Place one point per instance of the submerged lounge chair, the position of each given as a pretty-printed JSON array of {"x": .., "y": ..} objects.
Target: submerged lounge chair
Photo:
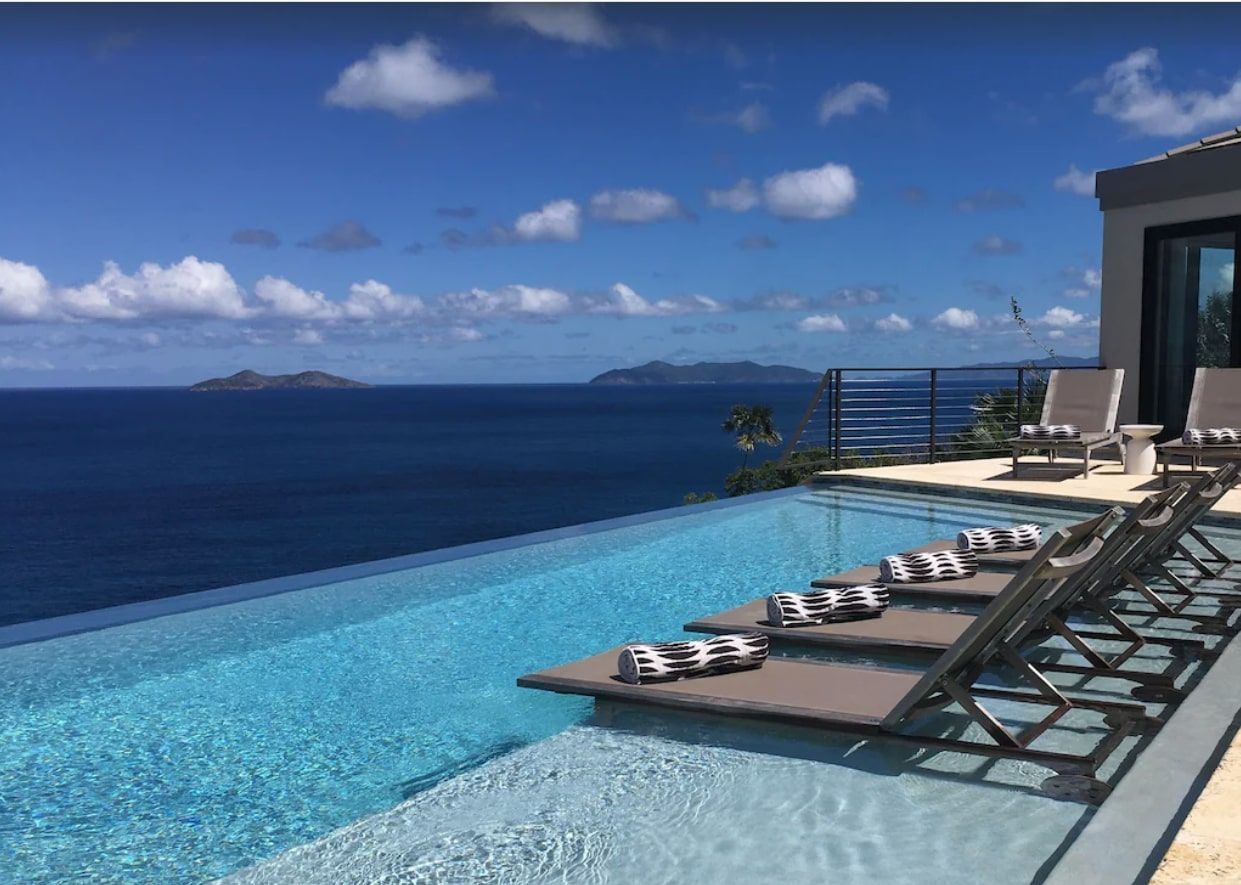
[
  {"x": 1079, "y": 398},
  {"x": 1214, "y": 403},
  {"x": 900, "y": 630},
  {"x": 881, "y": 702}
]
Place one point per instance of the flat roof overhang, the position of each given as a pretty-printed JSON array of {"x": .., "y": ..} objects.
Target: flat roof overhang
[{"x": 1194, "y": 173}]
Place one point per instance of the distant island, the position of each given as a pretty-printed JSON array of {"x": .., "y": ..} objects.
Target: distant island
[
  {"x": 659, "y": 372},
  {"x": 250, "y": 380}
]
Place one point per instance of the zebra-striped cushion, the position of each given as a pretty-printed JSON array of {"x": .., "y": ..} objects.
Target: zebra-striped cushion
[
  {"x": 997, "y": 540},
  {"x": 919, "y": 568},
  {"x": 822, "y": 606},
  {"x": 664, "y": 661},
  {"x": 1050, "y": 431},
  {"x": 1214, "y": 436}
]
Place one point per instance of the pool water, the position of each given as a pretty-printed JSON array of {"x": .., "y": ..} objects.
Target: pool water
[{"x": 194, "y": 745}]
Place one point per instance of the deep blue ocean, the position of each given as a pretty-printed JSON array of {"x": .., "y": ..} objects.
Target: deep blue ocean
[{"x": 114, "y": 496}]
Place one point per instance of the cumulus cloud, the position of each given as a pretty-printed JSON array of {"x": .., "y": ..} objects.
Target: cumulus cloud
[
  {"x": 741, "y": 197},
  {"x": 1075, "y": 181},
  {"x": 893, "y": 323},
  {"x": 989, "y": 198},
  {"x": 1062, "y": 318},
  {"x": 508, "y": 301},
  {"x": 756, "y": 241},
  {"x": 1132, "y": 94},
  {"x": 370, "y": 300},
  {"x": 996, "y": 245},
  {"x": 348, "y": 236},
  {"x": 845, "y": 101},
  {"x": 825, "y": 192},
  {"x": 1087, "y": 282},
  {"x": 408, "y": 80},
  {"x": 189, "y": 288},
  {"x": 24, "y": 293},
  {"x": 255, "y": 237},
  {"x": 776, "y": 300},
  {"x": 957, "y": 319},
  {"x": 307, "y": 337},
  {"x": 754, "y": 117},
  {"x": 636, "y": 206},
  {"x": 559, "y": 220},
  {"x": 857, "y": 296},
  {"x": 578, "y": 23},
  {"x": 622, "y": 301},
  {"x": 822, "y": 322}
]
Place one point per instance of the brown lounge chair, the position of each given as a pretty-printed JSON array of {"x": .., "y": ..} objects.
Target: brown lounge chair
[
  {"x": 1215, "y": 401},
  {"x": 912, "y": 630},
  {"x": 1086, "y": 398},
  {"x": 881, "y": 702},
  {"x": 1149, "y": 557}
]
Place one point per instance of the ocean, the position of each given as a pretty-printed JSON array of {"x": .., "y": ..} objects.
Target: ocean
[{"x": 109, "y": 496}]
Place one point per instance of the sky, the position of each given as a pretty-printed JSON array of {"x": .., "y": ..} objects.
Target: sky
[{"x": 531, "y": 193}]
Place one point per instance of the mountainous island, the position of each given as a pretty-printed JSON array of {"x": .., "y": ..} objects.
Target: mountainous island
[
  {"x": 251, "y": 380},
  {"x": 659, "y": 372}
]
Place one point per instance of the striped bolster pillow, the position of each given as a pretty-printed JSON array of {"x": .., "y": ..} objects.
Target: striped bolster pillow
[
  {"x": 1214, "y": 436},
  {"x": 823, "y": 606},
  {"x": 997, "y": 540},
  {"x": 1050, "y": 431},
  {"x": 666, "y": 661},
  {"x": 919, "y": 568}
]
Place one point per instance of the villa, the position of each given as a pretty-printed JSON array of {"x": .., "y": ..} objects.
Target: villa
[{"x": 879, "y": 682}]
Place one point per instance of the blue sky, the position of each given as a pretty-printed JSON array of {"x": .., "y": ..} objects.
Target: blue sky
[{"x": 523, "y": 193}]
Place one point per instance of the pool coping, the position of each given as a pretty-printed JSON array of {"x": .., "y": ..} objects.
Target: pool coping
[{"x": 133, "y": 612}]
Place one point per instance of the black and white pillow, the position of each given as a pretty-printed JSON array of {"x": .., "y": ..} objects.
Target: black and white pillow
[
  {"x": 1213, "y": 436},
  {"x": 921, "y": 568},
  {"x": 824, "y": 606},
  {"x": 1050, "y": 431},
  {"x": 990, "y": 539},
  {"x": 666, "y": 661}
]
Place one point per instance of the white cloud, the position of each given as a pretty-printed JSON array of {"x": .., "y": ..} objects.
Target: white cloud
[
  {"x": 282, "y": 298},
  {"x": 1062, "y": 318},
  {"x": 825, "y": 192},
  {"x": 635, "y": 206},
  {"x": 997, "y": 245},
  {"x": 894, "y": 322},
  {"x": 374, "y": 300},
  {"x": 24, "y": 293},
  {"x": 576, "y": 23},
  {"x": 509, "y": 301},
  {"x": 822, "y": 322},
  {"x": 1090, "y": 283},
  {"x": 408, "y": 80},
  {"x": 741, "y": 197},
  {"x": 465, "y": 333},
  {"x": 1225, "y": 275},
  {"x": 24, "y": 364},
  {"x": 957, "y": 319},
  {"x": 1075, "y": 181},
  {"x": 754, "y": 117},
  {"x": 845, "y": 101},
  {"x": 559, "y": 220},
  {"x": 307, "y": 337},
  {"x": 189, "y": 288},
  {"x": 622, "y": 301},
  {"x": 1131, "y": 94}
]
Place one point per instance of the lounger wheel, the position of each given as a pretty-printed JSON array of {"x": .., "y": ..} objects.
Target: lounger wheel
[
  {"x": 1076, "y": 788},
  {"x": 1158, "y": 694},
  {"x": 1140, "y": 724}
]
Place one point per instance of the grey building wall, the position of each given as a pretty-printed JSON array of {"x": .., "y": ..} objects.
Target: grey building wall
[{"x": 1124, "y": 236}]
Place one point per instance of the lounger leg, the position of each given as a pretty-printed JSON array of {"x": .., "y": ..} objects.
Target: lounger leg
[
  {"x": 1086, "y": 465},
  {"x": 1016, "y": 457},
  {"x": 1120, "y": 448}
]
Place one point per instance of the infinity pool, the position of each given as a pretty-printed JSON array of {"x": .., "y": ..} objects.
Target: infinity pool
[{"x": 191, "y": 746}]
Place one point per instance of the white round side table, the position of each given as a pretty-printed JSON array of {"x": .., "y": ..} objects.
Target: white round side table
[{"x": 1140, "y": 448}]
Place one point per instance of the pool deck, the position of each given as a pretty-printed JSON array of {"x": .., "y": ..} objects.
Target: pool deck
[
  {"x": 1107, "y": 483},
  {"x": 1207, "y": 847}
]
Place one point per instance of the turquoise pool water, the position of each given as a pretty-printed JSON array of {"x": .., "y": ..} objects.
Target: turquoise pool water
[{"x": 194, "y": 745}]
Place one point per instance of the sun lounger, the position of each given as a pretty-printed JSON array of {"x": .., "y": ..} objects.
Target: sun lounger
[
  {"x": 903, "y": 630},
  {"x": 1082, "y": 398},
  {"x": 882, "y": 702},
  {"x": 1214, "y": 402}
]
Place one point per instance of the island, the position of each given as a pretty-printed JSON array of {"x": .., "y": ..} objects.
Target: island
[
  {"x": 747, "y": 372},
  {"x": 251, "y": 380}
]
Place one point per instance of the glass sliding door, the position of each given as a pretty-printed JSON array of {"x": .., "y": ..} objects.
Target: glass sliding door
[{"x": 1189, "y": 313}]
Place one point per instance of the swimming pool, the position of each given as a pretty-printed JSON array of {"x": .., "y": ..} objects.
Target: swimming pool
[{"x": 193, "y": 745}]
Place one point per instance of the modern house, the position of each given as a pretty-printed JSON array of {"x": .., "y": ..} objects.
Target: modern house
[{"x": 1171, "y": 227}]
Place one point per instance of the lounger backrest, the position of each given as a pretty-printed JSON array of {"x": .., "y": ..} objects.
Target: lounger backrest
[
  {"x": 1137, "y": 529},
  {"x": 1216, "y": 399},
  {"x": 1085, "y": 397},
  {"x": 1062, "y": 554},
  {"x": 1200, "y": 498}
]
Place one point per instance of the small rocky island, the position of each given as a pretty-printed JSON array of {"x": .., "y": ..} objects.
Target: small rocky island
[
  {"x": 747, "y": 372},
  {"x": 251, "y": 380}
]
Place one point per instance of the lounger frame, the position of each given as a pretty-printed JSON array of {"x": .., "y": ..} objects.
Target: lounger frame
[{"x": 1098, "y": 427}]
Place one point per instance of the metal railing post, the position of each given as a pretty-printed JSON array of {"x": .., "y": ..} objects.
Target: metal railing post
[
  {"x": 934, "y": 402},
  {"x": 1021, "y": 384},
  {"x": 836, "y": 419}
]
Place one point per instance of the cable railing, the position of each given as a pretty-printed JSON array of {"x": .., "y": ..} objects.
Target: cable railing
[{"x": 875, "y": 416}]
